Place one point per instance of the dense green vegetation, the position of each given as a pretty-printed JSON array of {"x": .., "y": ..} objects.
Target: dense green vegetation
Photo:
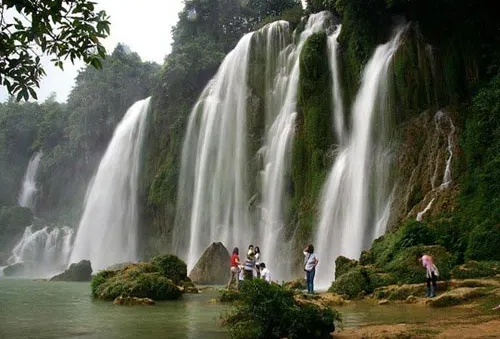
[
  {"x": 164, "y": 278},
  {"x": 60, "y": 29},
  {"x": 266, "y": 310},
  {"x": 72, "y": 135}
]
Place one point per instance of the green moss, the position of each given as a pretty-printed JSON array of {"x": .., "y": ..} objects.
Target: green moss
[
  {"x": 171, "y": 267},
  {"x": 407, "y": 269},
  {"x": 141, "y": 280},
  {"x": 352, "y": 284},
  {"x": 379, "y": 279},
  {"x": 476, "y": 269},
  {"x": 344, "y": 265},
  {"x": 366, "y": 258},
  {"x": 228, "y": 296},
  {"x": 484, "y": 242},
  {"x": 313, "y": 135}
]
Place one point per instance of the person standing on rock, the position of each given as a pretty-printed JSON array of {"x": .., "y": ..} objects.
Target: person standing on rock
[
  {"x": 310, "y": 263},
  {"x": 257, "y": 261},
  {"x": 235, "y": 268},
  {"x": 431, "y": 274},
  {"x": 249, "y": 264}
]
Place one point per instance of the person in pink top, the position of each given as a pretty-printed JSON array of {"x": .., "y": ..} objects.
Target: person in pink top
[{"x": 431, "y": 274}]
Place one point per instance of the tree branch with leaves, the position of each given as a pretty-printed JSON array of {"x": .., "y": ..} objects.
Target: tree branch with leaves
[{"x": 61, "y": 29}]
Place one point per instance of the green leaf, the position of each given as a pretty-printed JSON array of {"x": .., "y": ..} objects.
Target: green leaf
[{"x": 32, "y": 92}]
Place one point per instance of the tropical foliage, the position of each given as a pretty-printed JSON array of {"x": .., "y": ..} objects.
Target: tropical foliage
[{"x": 62, "y": 29}]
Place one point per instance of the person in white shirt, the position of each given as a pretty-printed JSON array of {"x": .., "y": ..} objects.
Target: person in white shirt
[
  {"x": 310, "y": 262},
  {"x": 264, "y": 272}
]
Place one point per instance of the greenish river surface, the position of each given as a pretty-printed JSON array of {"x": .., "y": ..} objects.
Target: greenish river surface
[{"x": 40, "y": 309}]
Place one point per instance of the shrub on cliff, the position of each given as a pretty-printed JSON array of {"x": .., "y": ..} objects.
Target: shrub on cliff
[{"x": 270, "y": 311}]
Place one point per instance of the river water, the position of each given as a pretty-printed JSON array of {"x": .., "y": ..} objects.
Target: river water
[{"x": 41, "y": 309}]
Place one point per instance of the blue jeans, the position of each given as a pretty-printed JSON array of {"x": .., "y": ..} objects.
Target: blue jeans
[{"x": 310, "y": 280}]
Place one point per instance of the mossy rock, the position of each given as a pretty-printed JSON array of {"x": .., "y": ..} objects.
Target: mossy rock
[
  {"x": 457, "y": 296},
  {"x": 402, "y": 292},
  {"x": 476, "y": 269},
  {"x": 299, "y": 284},
  {"x": 81, "y": 271},
  {"x": 386, "y": 248},
  {"x": 344, "y": 265},
  {"x": 352, "y": 284},
  {"x": 366, "y": 258},
  {"x": 189, "y": 287},
  {"x": 141, "y": 280},
  {"x": 407, "y": 269},
  {"x": 171, "y": 267},
  {"x": 378, "y": 279}
]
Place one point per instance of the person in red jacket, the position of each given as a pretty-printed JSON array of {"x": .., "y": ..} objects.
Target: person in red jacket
[{"x": 235, "y": 267}]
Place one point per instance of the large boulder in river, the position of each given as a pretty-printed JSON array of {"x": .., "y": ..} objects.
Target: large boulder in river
[
  {"x": 213, "y": 266},
  {"x": 81, "y": 271}
]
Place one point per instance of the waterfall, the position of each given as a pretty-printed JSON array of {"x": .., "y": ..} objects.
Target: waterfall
[
  {"x": 27, "y": 195},
  {"x": 447, "y": 170},
  {"x": 338, "y": 105},
  {"x": 213, "y": 194},
  {"x": 277, "y": 148},
  {"x": 212, "y": 202},
  {"x": 43, "y": 253},
  {"x": 107, "y": 232},
  {"x": 354, "y": 202},
  {"x": 420, "y": 215}
]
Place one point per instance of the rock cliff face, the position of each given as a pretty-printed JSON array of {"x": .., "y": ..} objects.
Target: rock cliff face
[
  {"x": 426, "y": 167},
  {"x": 213, "y": 266}
]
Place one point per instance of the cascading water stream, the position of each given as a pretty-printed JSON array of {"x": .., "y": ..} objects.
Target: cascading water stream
[
  {"x": 27, "y": 195},
  {"x": 277, "y": 148},
  {"x": 349, "y": 219},
  {"x": 439, "y": 119},
  {"x": 338, "y": 103},
  {"x": 213, "y": 201},
  {"x": 107, "y": 232},
  {"x": 42, "y": 253},
  {"x": 213, "y": 198}
]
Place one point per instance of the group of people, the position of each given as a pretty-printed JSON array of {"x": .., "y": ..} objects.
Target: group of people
[{"x": 254, "y": 267}]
